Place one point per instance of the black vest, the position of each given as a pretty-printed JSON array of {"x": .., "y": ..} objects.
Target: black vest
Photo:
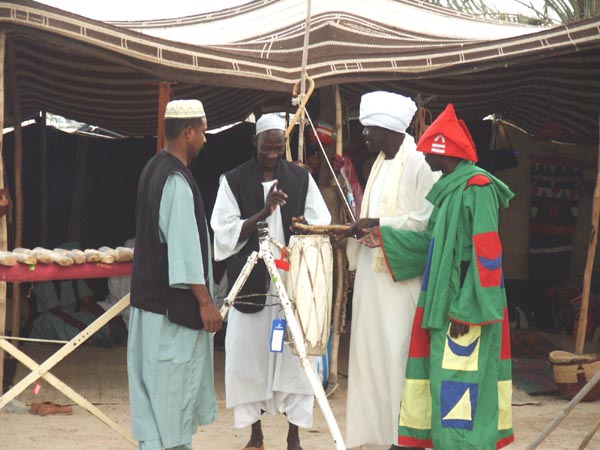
[
  {"x": 245, "y": 183},
  {"x": 150, "y": 288}
]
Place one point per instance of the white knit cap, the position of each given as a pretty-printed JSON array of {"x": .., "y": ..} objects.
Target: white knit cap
[
  {"x": 269, "y": 122},
  {"x": 184, "y": 109},
  {"x": 387, "y": 110}
]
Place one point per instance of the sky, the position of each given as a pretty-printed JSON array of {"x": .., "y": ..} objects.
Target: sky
[{"x": 148, "y": 10}]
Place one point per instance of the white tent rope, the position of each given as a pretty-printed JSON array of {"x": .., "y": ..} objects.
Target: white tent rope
[{"x": 337, "y": 183}]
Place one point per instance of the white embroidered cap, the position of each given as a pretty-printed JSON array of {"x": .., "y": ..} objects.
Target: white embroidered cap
[
  {"x": 184, "y": 109},
  {"x": 269, "y": 122}
]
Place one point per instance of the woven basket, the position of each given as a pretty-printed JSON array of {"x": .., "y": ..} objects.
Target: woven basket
[{"x": 572, "y": 372}]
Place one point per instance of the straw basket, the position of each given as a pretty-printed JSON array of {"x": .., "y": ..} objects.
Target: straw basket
[{"x": 572, "y": 371}]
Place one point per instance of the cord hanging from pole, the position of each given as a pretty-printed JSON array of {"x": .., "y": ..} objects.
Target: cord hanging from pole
[{"x": 337, "y": 183}]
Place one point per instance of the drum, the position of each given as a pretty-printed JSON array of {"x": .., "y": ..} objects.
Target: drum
[{"x": 309, "y": 285}]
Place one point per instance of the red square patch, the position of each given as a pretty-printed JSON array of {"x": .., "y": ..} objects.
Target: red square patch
[
  {"x": 419, "y": 339},
  {"x": 488, "y": 251}
]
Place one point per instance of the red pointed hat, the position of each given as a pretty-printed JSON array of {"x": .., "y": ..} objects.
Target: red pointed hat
[{"x": 448, "y": 136}]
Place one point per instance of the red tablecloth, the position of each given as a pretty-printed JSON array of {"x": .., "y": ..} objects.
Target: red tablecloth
[{"x": 48, "y": 272}]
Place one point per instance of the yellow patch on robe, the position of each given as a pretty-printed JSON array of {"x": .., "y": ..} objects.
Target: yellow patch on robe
[
  {"x": 462, "y": 353},
  {"x": 415, "y": 411},
  {"x": 504, "y": 405}
]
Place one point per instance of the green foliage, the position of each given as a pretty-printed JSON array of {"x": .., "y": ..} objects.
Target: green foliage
[
  {"x": 567, "y": 11},
  {"x": 553, "y": 11}
]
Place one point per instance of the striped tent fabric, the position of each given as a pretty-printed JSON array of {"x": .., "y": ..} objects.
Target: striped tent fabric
[{"x": 545, "y": 80}]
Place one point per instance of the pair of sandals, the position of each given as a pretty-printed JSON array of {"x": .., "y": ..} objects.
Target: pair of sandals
[{"x": 47, "y": 408}]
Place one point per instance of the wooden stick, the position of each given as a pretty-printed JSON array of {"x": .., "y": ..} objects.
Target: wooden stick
[
  {"x": 164, "y": 96},
  {"x": 339, "y": 142},
  {"x": 320, "y": 229},
  {"x": 44, "y": 179},
  {"x": 589, "y": 436},
  {"x": 565, "y": 412},
  {"x": 589, "y": 265},
  {"x": 18, "y": 168},
  {"x": 303, "y": 76},
  {"x": 64, "y": 351},
  {"x": 3, "y": 230},
  {"x": 337, "y": 315},
  {"x": 66, "y": 390}
]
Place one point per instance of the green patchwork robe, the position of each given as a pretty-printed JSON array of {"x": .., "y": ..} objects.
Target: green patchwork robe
[{"x": 457, "y": 393}]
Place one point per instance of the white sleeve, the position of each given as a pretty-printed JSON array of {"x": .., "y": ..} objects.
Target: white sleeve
[
  {"x": 226, "y": 223},
  {"x": 315, "y": 208},
  {"x": 414, "y": 189}
]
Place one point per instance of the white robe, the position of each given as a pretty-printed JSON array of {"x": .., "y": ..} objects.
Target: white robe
[
  {"x": 256, "y": 378},
  {"x": 382, "y": 316}
]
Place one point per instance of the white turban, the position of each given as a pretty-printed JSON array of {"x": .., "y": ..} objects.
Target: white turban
[
  {"x": 184, "y": 109},
  {"x": 269, "y": 122},
  {"x": 386, "y": 110}
]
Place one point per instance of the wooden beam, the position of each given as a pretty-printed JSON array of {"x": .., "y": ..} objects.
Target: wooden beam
[
  {"x": 43, "y": 179},
  {"x": 18, "y": 173},
  {"x": 164, "y": 96},
  {"x": 67, "y": 390},
  {"x": 339, "y": 124},
  {"x": 589, "y": 265},
  {"x": 3, "y": 230},
  {"x": 64, "y": 351}
]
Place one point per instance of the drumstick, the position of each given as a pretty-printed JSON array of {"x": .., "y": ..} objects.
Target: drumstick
[{"x": 320, "y": 228}]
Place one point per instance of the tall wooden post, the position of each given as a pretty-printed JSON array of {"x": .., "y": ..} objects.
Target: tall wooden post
[
  {"x": 164, "y": 96},
  {"x": 589, "y": 265},
  {"x": 339, "y": 125},
  {"x": 43, "y": 179},
  {"x": 303, "y": 75},
  {"x": 18, "y": 170},
  {"x": 3, "y": 229}
]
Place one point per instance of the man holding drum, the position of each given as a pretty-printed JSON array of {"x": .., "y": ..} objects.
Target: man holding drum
[
  {"x": 383, "y": 309},
  {"x": 266, "y": 188}
]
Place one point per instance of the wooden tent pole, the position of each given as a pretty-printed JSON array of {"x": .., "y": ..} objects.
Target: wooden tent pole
[
  {"x": 340, "y": 261},
  {"x": 164, "y": 96},
  {"x": 3, "y": 230},
  {"x": 303, "y": 81},
  {"x": 339, "y": 143},
  {"x": 18, "y": 171},
  {"x": 43, "y": 178},
  {"x": 66, "y": 390},
  {"x": 589, "y": 265}
]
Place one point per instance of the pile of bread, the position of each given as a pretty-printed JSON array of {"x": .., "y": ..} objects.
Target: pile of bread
[{"x": 65, "y": 258}]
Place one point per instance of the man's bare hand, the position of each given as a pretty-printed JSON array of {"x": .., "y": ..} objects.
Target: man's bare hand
[
  {"x": 275, "y": 197},
  {"x": 371, "y": 237},
  {"x": 211, "y": 317},
  {"x": 357, "y": 229},
  {"x": 300, "y": 220},
  {"x": 458, "y": 329}
]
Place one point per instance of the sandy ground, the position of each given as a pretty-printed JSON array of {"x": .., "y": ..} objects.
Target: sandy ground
[{"x": 83, "y": 431}]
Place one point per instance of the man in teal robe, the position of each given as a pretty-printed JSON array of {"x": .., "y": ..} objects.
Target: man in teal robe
[
  {"x": 170, "y": 349},
  {"x": 458, "y": 388}
]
